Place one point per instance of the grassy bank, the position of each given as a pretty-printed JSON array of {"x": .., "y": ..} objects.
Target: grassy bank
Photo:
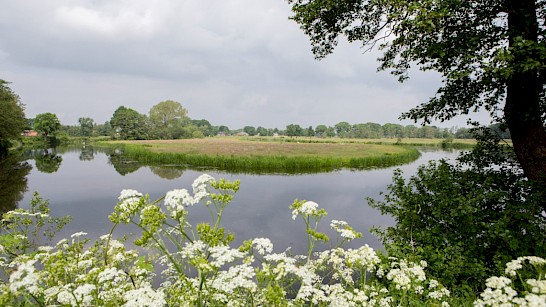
[
  {"x": 242, "y": 155},
  {"x": 424, "y": 142}
]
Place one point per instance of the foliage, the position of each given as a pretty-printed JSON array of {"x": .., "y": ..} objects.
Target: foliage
[
  {"x": 198, "y": 267},
  {"x": 165, "y": 117},
  {"x": 47, "y": 124},
  {"x": 294, "y": 130},
  {"x": 468, "y": 218},
  {"x": 128, "y": 124},
  {"x": 86, "y": 126},
  {"x": 12, "y": 117},
  {"x": 491, "y": 55}
]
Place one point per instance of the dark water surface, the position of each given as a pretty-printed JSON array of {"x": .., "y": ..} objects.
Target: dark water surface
[{"x": 86, "y": 185}]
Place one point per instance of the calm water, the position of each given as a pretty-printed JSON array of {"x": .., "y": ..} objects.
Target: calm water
[{"x": 86, "y": 185}]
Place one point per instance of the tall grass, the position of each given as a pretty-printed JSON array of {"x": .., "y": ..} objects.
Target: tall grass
[{"x": 266, "y": 163}]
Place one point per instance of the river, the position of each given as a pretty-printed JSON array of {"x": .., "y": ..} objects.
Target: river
[{"x": 85, "y": 185}]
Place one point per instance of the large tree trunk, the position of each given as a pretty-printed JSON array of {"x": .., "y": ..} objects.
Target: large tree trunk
[{"x": 522, "y": 110}]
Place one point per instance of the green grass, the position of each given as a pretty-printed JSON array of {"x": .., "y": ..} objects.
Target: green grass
[{"x": 244, "y": 156}]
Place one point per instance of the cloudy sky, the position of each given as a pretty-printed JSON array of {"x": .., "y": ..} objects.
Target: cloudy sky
[{"x": 232, "y": 62}]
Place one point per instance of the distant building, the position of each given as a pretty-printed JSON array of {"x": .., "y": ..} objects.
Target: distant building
[
  {"x": 242, "y": 133},
  {"x": 29, "y": 133}
]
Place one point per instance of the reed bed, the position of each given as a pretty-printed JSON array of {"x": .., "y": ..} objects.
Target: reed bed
[{"x": 243, "y": 156}]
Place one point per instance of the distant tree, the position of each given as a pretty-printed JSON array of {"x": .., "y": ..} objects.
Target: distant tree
[
  {"x": 223, "y": 129},
  {"x": 250, "y": 130},
  {"x": 343, "y": 129},
  {"x": 104, "y": 129},
  {"x": 204, "y": 126},
  {"x": 261, "y": 131},
  {"x": 47, "y": 124},
  {"x": 393, "y": 130},
  {"x": 86, "y": 126},
  {"x": 320, "y": 130},
  {"x": 330, "y": 132},
  {"x": 166, "y": 116},
  {"x": 128, "y": 124},
  {"x": 12, "y": 117},
  {"x": 294, "y": 130},
  {"x": 309, "y": 131}
]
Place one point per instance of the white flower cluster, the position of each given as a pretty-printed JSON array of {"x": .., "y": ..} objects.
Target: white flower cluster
[
  {"x": 25, "y": 278},
  {"x": 307, "y": 208},
  {"x": 144, "y": 296},
  {"x": 128, "y": 204},
  {"x": 262, "y": 245},
  {"x": 516, "y": 264},
  {"x": 344, "y": 230},
  {"x": 499, "y": 291},
  {"x": 177, "y": 200},
  {"x": 404, "y": 274}
]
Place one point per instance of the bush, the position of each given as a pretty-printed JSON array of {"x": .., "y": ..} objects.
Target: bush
[{"x": 466, "y": 219}]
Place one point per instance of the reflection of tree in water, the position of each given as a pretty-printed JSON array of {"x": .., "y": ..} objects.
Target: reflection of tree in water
[
  {"x": 87, "y": 153},
  {"x": 167, "y": 172},
  {"x": 122, "y": 165},
  {"x": 48, "y": 162},
  {"x": 13, "y": 181}
]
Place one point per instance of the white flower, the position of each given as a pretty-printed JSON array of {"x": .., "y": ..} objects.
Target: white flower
[
  {"x": 128, "y": 204},
  {"x": 223, "y": 254},
  {"x": 24, "y": 278},
  {"x": 78, "y": 234},
  {"x": 307, "y": 208},
  {"x": 200, "y": 186},
  {"x": 177, "y": 200},
  {"x": 144, "y": 296},
  {"x": 262, "y": 245}
]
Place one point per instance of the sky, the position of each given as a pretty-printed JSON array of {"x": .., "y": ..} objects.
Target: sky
[{"x": 233, "y": 62}]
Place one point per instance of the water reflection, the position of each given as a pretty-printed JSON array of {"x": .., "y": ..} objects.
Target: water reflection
[
  {"x": 47, "y": 160},
  {"x": 88, "y": 192},
  {"x": 168, "y": 172},
  {"x": 13, "y": 181},
  {"x": 121, "y": 164},
  {"x": 87, "y": 153}
]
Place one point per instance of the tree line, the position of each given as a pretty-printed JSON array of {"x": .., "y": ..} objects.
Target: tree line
[{"x": 169, "y": 120}]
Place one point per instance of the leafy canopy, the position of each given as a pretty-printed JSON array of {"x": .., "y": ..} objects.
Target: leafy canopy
[
  {"x": 47, "y": 124},
  {"x": 12, "y": 117},
  {"x": 469, "y": 42}
]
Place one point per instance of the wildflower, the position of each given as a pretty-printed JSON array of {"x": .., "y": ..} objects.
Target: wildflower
[
  {"x": 78, "y": 234},
  {"x": 223, "y": 254},
  {"x": 345, "y": 230},
  {"x": 24, "y": 278},
  {"x": 129, "y": 203},
  {"x": 262, "y": 245},
  {"x": 144, "y": 296},
  {"x": 305, "y": 208}
]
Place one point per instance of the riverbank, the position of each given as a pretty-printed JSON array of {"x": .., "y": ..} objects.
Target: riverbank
[{"x": 264, "y": 156}]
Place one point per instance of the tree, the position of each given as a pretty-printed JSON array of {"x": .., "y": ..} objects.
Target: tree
[
  {"x": 12, "y": 117},
  {"x": 490, "y": 54},
  {"x": 321, "y": 130},
  {"x": 465, "y": 218},
  {"x": 128, "y": 124},
  {"x": 294, "y": 130},
  {"x": 86, "y": 126},
  {"x": 47, "y": 124},
  {"x": 166, "y": 116},
  {"x": 250, "y": 130},
  {"x": 343, "y": 129}
]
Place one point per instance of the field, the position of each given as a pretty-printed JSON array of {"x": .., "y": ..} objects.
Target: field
[{"x": 269, "y": 155}]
